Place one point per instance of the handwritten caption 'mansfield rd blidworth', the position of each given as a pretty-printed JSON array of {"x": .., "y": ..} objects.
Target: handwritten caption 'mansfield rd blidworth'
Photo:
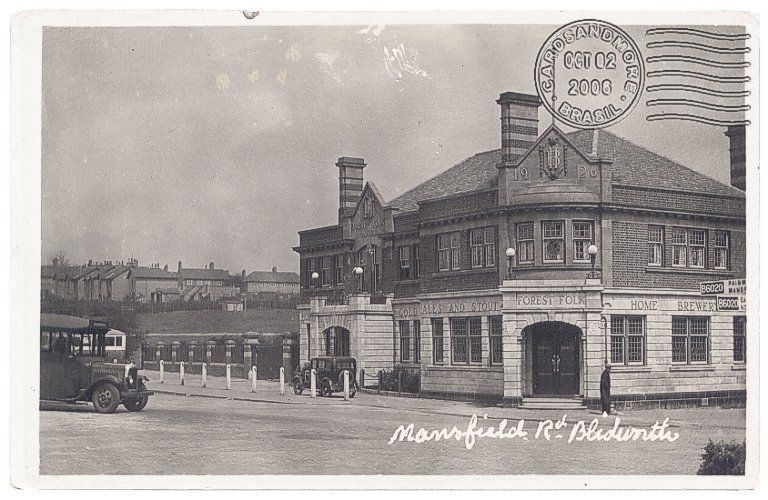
[{"x": 546, "y": 430}]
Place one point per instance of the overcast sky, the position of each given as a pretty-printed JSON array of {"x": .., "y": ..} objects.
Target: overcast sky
[{"x": 219, "y": 144}]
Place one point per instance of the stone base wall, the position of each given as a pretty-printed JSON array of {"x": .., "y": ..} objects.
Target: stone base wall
[{"x": 666, "y": 401}]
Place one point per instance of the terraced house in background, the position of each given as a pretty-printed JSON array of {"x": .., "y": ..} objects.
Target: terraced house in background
[{"x": 517, "y": 272}]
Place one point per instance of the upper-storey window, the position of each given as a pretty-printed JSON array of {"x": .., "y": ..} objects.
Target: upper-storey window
[
  {"x": 582, "y": 238},
  {"x": 416, "y": 261},
  {"x": 404, "y": 257},
  {"x": 679, "y": 247},
  {"x": 655, "y": 245},
  {"x": 553, "y": 241},
  {"x": 326, "y": 271},
  {"x": 482, "y": 244},
  {"x": 525, "y": 243},
  {"x": 696, "y": 246},
  {"x": 448, "y": 249},
  {"x": 338, "y": 265},
  {"x": 720, "y": 242}
]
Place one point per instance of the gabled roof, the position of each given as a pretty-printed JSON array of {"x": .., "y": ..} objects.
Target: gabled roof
[
  {"x": 632, "y": 166},
  {"x": 151, "y": 273},
  {"x": 272, "y": 277},
  {"x": 473, "y": 174},
  {"x": 191, "y": 273},
  {"x": 115, "y": 272},
  {"x": 636, "y": 166}
]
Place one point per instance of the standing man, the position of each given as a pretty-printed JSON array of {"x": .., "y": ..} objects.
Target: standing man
[{"x": 605, "y": 389}]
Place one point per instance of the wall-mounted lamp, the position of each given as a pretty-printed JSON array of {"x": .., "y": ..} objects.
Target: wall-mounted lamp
[
  {"x": 510, "y": 253},
  {"x": 592, "y": 251}
]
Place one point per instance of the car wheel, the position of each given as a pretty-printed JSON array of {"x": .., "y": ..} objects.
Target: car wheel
[
  {"x": 325, "y": 389},
  {"x": 137, "y": 404},
  {"x": 105, "y": 398},
  {"x": 352, "y": 392},
  {"x": 298, "y": 388}
]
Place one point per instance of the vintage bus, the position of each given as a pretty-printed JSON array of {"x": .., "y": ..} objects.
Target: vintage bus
[{"x": 74, "y": 366}]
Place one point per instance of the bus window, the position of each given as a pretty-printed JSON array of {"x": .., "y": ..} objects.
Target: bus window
[{"x": 45, "y": 341}]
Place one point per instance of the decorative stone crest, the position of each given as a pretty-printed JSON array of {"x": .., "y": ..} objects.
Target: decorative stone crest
[{"x": 552, "y": 159}]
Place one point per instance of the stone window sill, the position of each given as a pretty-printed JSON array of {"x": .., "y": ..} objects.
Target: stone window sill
[
  {"x": 630, "y": 369},
  {"x": 459, "y": 272},
  {"x": 739, "y": 367},
  {"x": 691, "y": 368},
  {"x": 475, "y": 368},
  {"x": 687, "y": 270}
]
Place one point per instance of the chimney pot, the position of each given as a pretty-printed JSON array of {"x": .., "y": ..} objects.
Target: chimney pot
[
  {"x": 179, "y": 268},
  {"x": 519, "y": 125},
  {"x": 274, "y": 269},
  {"x": 210, "y": 265}
]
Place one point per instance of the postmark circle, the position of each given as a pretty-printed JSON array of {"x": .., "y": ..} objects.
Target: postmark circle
[{"x": 589, "y": 74}]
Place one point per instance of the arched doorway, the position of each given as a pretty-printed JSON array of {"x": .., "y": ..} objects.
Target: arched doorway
[
  {"x": 336, "y": 341},
  {"x": 555, "y": 357}
]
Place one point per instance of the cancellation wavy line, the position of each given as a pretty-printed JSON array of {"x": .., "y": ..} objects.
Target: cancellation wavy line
[
  {"x": 695, "y": 118},
  {"x": 698, "y": 75},
  {"x": 696, "y": 89},
  {"x": 698, "y": 46},
  {"x": 695, "y": 32},
  {"x": 698, "y": 60},
  {"x": 698, "y": 104}
]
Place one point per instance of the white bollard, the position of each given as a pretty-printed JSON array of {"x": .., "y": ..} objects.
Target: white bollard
[
  {"x": 312, "y": 382},
  {"x": 181, "y": 373},
  {"x": 346, "y": 385},
  {"x": 282, "y": 381},
  {"x": 229, "y": 378},
  {"x": 205, "y": 375},
  {"x": 162, "y": 371},
  {"x": 253, "y": 378}
]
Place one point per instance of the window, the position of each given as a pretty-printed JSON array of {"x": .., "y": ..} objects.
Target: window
[
  {"x": 482, "y": 244},
  {"x": 553, "y": 241},
  {"x": 496, "y": 328},
  {"x": 525, "y": 243},
  {"x": 417, "y": 341},
  {"x": 490, "y": 247},
  {"x": 720, "y": 242},
  {"x": 376, "y": 256},
  {"x": 467, "y": 340},
  {"x": 448, "y": 248},
  {"x": 437, "y": 340},
  {"x": 416, "y": 262},
  {"x": 582, "y": 238},
  {"x": 405, "y": 341},
  {"x": 338, "y": 264},
  {"x": 679, "y": 247},
  {"x": 740, "y": 338},
  {"x": 404, "y": 256},
  {"x": 627, "y": 340},
  {"x": 655, "y": 245},
  {"x": 690, "y": 339},
  {"x": 696, "y": 244},
  {"x": 325, "y": 276}
]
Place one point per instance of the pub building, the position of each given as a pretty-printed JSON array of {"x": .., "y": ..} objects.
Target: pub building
[{"x": 517, "y": 272}]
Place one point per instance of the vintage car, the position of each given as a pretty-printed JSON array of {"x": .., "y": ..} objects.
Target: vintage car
[
  {"x": 74, "y": 366},
  {"x": 330, "y": 375}
]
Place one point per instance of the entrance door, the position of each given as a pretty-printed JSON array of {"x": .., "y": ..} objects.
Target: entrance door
[{"x": 556, "y": 360}]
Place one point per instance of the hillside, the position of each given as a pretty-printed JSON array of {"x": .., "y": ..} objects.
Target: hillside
[{"x": 255, "y": 320}]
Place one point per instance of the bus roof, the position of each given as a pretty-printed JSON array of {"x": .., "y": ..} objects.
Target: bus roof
[{"x": 63, "y": 323}]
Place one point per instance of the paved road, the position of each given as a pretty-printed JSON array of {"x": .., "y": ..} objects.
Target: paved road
[{"x": 177, "y": 434}]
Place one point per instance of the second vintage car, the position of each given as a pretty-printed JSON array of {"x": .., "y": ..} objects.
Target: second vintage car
[{"x": 330, "y": 375}]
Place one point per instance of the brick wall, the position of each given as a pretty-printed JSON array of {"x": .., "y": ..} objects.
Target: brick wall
[
  {"x": 675, "y": 200},
  {"x": 630, "y": 258}
]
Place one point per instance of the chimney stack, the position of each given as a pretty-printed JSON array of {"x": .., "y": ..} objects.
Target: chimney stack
[
  {"x": 178, "y": 269},
  {"x": 350, "y": 184},
  {"x": 738, "y": 137},
  {"x": 210, "y": 265},
  {"x": 274, "y": 269},
  {"x": 519, "y": 125}
]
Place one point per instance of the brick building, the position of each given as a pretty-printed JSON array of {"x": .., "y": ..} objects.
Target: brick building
[
  {"x": 517, "y": 272},
  {"x": 274, "y": 281}
]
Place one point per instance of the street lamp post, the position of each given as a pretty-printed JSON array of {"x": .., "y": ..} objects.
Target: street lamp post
[
  {"x": 359, "y": 273},
  {"x": 510, "y": 253},
  {"x": 314, "y": 278},
  {"x": 592, "y": 251}
]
